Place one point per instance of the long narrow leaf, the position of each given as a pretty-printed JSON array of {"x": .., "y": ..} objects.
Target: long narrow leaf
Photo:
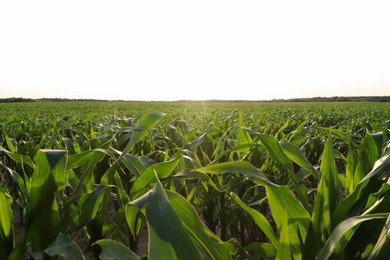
[
  {"x": 64, "y": 247},
  {"x": 203, "y": 237},
  {"x": 325, "y": 202},
  {"x": 163, "y": 169},
  {"x": 7, "y": 235},
  {"x": 168, "y": 238},
  {"x": 341, "y": 229},
  {"x": 22, "y": 159},
  {"x": 382, "y": 248},
  {"x": 48, "y": 183},
  {"x": 113, "y": 250},
  {"x": 243, "y": 168},
  {"x": 260, "y": 220},
  {"x": 294, "y": 153},
  {"x": 284, "y": 205},
  {"x": 147, "y": 122}
]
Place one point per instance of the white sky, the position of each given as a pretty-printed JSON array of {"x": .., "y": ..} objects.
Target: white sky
[{"x": 171, "y": 50}]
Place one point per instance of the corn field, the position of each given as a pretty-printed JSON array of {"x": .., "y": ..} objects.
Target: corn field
[{"x": 194, "y": 180}]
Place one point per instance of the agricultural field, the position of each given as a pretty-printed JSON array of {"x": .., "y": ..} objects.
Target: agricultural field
[{"x": 194, "y": 180}]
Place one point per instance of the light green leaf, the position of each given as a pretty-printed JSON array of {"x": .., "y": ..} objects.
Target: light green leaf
[
  {"x": 382, "y": 248},
  {"x": 259, "y": 218},
  {"x": 262, "y": 249},
  {"x": 7, "y": 235},
  {"x": 244, "y": 168},
  {"x": 64, "y": 247},
  {"x": 285, "y": 206},
  {"x": 175, "y": 230},
  {"x": 168, "y": 238},
  {"x": 87, "y": 209},
  {"x": 325, "y": 202},
  {"x": 147, "y": 122},
  {"x": 205, "y": 240},
  {"x": 284, "y": 250},
  {"x": 47, "y": 185},
  {"x": 22, "y": 159},
  {"x": 294, "y": 153},
  {"x": 143, "y": 183},
  {"x": 113, "y": 250},
  {"x": 341, "y": 229}
]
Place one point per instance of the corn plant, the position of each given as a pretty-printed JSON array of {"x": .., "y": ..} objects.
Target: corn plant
[{"x": 203, "y": 180}]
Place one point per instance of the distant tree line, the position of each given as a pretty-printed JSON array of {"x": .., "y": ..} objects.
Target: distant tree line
[
  {"x": 19, "y": 99},
  {"x": 338, "y": 99},
  {"x": 16, "y": 99},
  {"x": 69, "y": 100},
  {"x": 313, "y": 99}
]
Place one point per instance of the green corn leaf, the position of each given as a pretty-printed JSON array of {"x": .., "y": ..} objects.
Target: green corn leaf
[
  {"x": 284, "y": 250},
  {"x": 147, "y": 122},
  {"x": 261, "y": 249},
  {"x": 101, "y": 215},
  {"x": 88, "y": 207},
  {"x": 207, "y": 241},
  {"x": 191, "y": 174},
  {"x": 275, "y": 150},
  {"x": 338, "y": 233},
  {"x": 47, "y": 186},
  {"x": 7, "y": 235},
  {"x": 64, "y": 247},
  {"x": 329, "y": 190},
  {"x": 90, "y": 156},
  {"x": 382, "y": 248},
  {"x": 367, "y": 156},
  {"x": 113, "y": 250},
  {"x": 22, "y": 159},
  {"x": 122, "y": 197},
  {"x": 295, "y": 154},
  {"x": 325, "y": 202},
  {"x": 19, "y": 251},
  {"x": 168, "y": 238},
  {"x": 88, "y": 161},
  {"x": 175, "y": 230},
  {"x": 10, "y": 144},
  {"x": 133, "y": 220},
  {"x": 243, "y": 168},
  {"x": 134, "y": 164},
  {"x": 368, "y": 153},
  {"x": 163, "y": 169},
  {"x": 242, "y": 135},
  {"x": 380, "y": 168},
  {"x": 259, "y": 219},
  {"x": 22, "y": 183},
  {"x": 285, "y": 206},
  {"x": 280, "y": 130},
  {"x": 69, "y": 145},
  {"x": 220, "y": 148},
  {"x": 192, "y": 146},
  {"x": 350, "y": 172},
  {"x": 380, "y": 141},
  {"x": 240, "y": 148},
  {"x": 300, "y": 134},
  {"x": 352, "y": 204},
  {"x": 90, "y": 204}
]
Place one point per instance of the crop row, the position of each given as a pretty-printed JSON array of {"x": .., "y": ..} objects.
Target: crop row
[{"x": 203, "y": 180}]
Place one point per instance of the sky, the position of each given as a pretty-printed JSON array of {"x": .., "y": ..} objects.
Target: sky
[{"x": 194, "y": 50}]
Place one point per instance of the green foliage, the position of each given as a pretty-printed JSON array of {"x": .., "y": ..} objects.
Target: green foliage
[
  {"x": 115, "y": 250},
  {"x": 202, "y": 179},
  {"x": 7, "y": 235}
]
